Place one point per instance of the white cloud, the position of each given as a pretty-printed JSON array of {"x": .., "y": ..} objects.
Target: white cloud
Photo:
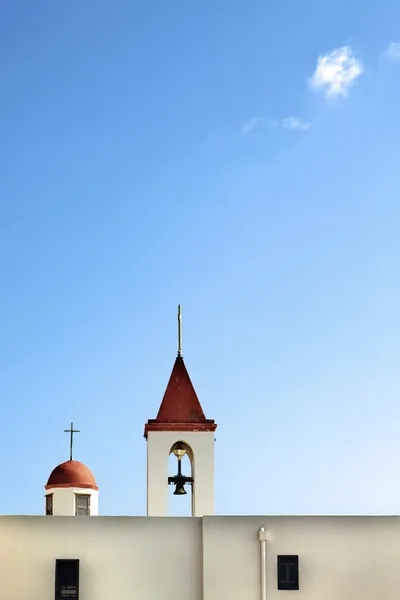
[
  {"x": 295, "y": 124},
  {"x": 336, "y": 71},
  {"x": 256, "y": 123},
  {"x": 393, "y": 52}
]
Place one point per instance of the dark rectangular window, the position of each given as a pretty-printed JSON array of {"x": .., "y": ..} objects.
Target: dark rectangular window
[
  {"x": 288, "y": 572},
  {"x": 67, "y": 580},
  {"x": 49, "y": 504},
  {"x": 82, "y": 504}
]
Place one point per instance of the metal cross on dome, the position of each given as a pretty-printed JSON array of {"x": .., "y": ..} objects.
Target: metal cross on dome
[{"x": 71, "y": 431}]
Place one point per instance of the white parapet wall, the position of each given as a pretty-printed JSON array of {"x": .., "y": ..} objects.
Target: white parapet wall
[{"x": 340, "y": 558}]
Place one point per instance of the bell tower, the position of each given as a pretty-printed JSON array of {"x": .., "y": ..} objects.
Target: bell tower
[{"x": 180, "y": 428}]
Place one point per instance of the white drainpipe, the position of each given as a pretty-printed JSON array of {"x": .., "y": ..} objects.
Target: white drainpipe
[{"x": 262, "y": 534}]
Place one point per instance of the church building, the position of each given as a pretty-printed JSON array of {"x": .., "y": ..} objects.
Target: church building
[{"x": 72, "y": 552}]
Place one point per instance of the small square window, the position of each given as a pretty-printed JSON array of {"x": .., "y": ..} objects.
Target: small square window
[
  {"x": 67, "y": 580},
  {"x": 82, "y": 504},
  {"x": 288, "y": 572},
  {"x": 49, "y": 504}
]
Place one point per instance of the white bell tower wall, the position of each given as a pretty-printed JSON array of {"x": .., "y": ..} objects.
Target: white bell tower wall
[{"x": 159, "y": 444}]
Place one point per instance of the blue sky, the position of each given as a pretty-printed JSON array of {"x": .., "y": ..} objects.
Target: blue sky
[{"x": 241, "y": 159}]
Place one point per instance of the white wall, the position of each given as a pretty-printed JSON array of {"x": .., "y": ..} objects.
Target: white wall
[
  {"x": 64, "y": 500},
  {"x": 214, "y": 558},
  {"x": 159, "y": 444},
  {"x": 340, "y": 558},
  {"x": 121, "y": 558}
]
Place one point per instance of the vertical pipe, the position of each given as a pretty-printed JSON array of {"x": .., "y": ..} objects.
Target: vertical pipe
[{"x": 262, "y": 534}]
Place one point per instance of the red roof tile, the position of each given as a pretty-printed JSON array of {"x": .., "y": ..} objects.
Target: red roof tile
[{"x": 72, "y": 474}]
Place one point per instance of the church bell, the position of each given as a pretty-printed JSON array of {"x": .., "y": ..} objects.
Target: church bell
[
  {"x": 180, "y": 488},
  {"x": 179, "y": 449}
]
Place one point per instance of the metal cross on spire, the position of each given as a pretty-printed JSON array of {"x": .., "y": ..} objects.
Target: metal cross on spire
[
  {"x": 71, "y": 431},
  {"x": 179, "y": 331}
]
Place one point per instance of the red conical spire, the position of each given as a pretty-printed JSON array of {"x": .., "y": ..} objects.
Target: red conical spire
[
  {"x": 180, "y": 408},
  {"x": 180, "y": 402}
]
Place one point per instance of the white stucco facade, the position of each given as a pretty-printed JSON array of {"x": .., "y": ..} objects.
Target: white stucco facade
[
  {"x": 201, "y": 453},
  {"x": 64, "y": 500},
  {"x": 340, "y": 558}
]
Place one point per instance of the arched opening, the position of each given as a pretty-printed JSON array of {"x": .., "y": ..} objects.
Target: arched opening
[{"x": 180, "y": 480}]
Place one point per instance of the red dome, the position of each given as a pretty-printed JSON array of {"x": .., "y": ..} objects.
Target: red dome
[{"x": 71, "y": 474}]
